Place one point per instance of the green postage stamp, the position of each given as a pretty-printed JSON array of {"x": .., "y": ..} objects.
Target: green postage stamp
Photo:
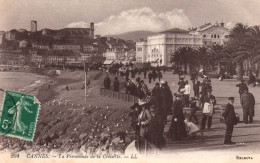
[{"x": 19, "y": 115}]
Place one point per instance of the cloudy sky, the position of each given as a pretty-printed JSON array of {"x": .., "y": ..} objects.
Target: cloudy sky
[{"x": 118, "y": 16}]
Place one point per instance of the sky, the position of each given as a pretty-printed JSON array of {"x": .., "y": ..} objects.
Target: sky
[{"x": 119, "y": 16}]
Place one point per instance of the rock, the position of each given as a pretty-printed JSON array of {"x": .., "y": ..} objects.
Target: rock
[
  {"x": 115, "y": 141},
  {"x": 90, "y": 136},
  {"x": 47, "y": 139},
  {"x": 128, "y": 140},
  {"x": 75, "y": 139},
  {"x": 83, "y": 136},
  {"x": 120, "y": 148},
  {"x": 83, "y": 150},
  {"x": 53, "y": 136},
  {"x": 104, "y": 134}
]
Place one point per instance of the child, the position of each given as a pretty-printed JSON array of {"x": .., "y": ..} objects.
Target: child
[{"x": 192, "y": 129}]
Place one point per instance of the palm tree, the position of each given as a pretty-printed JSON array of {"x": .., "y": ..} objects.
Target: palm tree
[
  {"x": 217, "y": 54},
  {"x": 254, "y": 47},
  {"x": 238, "y": 46},
  {"x": 253, "y": 43},
  {"x": 202, "y": 54},
  {"x": 184, "y": 56}
]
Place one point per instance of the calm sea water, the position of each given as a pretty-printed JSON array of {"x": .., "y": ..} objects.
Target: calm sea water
[
  {"x": 18, "y": 81},
  {"x": 15, "y": 80}
]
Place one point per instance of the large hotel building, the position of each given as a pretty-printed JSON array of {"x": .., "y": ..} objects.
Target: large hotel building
[{"x": 158, "y": 48}]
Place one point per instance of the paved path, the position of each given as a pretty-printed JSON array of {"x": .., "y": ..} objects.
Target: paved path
[{"x": 249, "y": 134}]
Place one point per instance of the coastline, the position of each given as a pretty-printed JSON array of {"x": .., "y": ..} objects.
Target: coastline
[{"x": 63, "y": 111}]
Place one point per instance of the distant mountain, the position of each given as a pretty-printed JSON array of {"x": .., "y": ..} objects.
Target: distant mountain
[{"x": 135, "y": 35}]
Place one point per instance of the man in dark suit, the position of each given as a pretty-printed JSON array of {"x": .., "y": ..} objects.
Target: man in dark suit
[
  {"x": 248, "y": 104},
  {"x": 107, "y": 82},
  {"x": 230, "y": 120},
  {"x": 116, "y": 84},
  {"x": 196, "y": 87},
  {"x": 241, "y": 87},
  {"x": 181, "y": 83}
]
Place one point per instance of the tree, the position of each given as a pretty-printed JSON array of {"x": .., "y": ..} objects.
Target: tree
[
  {"x": 202, "y": 54},
  {"x": 185, "y": 56},
  {"x": 253, "y": 44},
  {"x": 238, "y": 46}
]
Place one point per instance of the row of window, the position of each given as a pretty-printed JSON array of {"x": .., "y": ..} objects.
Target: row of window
[
  {"x": 212, "y": 36},
  {"x": 154, "y": 55}
]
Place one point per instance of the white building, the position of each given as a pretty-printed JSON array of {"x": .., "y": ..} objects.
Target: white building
[
  {"x": 64, "y": 46},
  {"x": 40, "y": 46},
  {"x": 212, "y": 33},
  {"x": 23, "y": 44},
  {"x": 113, "y": 56},
  {"x": 158, "y": 48},
  {"x": 37, "y": 59}
]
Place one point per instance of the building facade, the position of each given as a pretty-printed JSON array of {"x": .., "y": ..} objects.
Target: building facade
[
  {"x": 212, "y": 34},
  {"x": 72, "y": 47},
  {"x": 2, "y": 36},
  {"x": 159, "y": 48},
  {"x": 40, "y": 46},
  {"x": 8, "y": 57},
  {"x": 113, "y": 56}
]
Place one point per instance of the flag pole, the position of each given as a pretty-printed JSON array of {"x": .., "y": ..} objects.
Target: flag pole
[{"x": 85, "y": 71}]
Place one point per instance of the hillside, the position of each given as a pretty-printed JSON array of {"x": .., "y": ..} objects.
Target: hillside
[{"x": 135, "y": 35}]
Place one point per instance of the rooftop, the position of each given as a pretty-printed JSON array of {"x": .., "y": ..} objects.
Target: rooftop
[{"x": 175, "y": 30}]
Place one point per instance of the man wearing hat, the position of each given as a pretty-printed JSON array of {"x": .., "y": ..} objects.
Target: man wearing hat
[
  {"x": 241, "y": 87},
  {"x": 107, "y": 82},
  {"x": 116, "y": 84},
  {"x": 144, "y": 118},
  {"x": 156, "y": 129},
  {"x": 248, "y": 104},
  {"x": 135, "y": 111},
  {"x": 230, "y": 120},
  {"x": 181, "y": 83}
]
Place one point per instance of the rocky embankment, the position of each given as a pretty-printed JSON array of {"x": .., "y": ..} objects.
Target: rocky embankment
[{"x": 66, "y": 124}]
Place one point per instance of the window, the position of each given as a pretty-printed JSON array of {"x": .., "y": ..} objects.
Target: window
[
  {"x": 218, "y": 36},
  {"x": 211, "y": 36},
  {"x": 139, "y": 49},
  {"x": 215, "y": 36},
  {"x": 204, "y": 36}
]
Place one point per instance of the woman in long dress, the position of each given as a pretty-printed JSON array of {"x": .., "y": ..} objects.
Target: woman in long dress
[{"x": 177, "y": 129}]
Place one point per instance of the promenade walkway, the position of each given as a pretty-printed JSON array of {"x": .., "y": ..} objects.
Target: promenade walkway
[{"x": 248, "y": 135}]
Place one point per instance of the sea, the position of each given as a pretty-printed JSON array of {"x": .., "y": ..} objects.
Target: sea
[{"x": 20, "y": 82}]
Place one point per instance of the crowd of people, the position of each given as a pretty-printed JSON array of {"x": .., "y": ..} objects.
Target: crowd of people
[{"x": 149, "y": 116}]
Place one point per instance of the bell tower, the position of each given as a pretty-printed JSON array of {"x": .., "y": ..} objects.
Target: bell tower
[{"x": 92, "y": 29}]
